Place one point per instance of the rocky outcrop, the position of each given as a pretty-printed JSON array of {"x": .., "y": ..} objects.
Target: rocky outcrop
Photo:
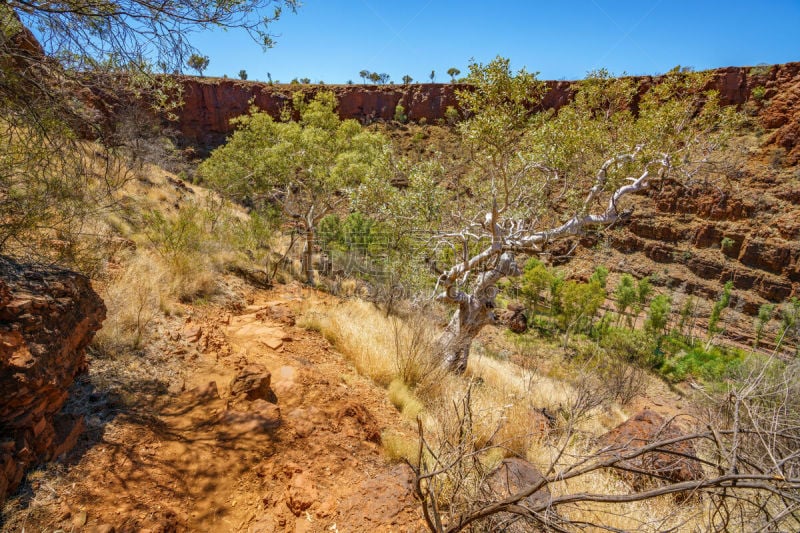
[
  {"x": 47, "y": 318},
  {"x": 210, "y": 104},
  {"x": 672, "y": 462},
  {"x": 513, "y": 317},
  {"x": 510, "y": 477}
]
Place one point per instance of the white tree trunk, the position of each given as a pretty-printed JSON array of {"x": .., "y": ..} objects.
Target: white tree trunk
[
  {"x": 456, "y": 340},
  {"x": 474, "y": 312}
]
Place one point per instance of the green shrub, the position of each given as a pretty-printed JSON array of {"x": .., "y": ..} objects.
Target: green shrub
[
  {"x": 716, "y": 311},
  {"x": 633, "y": 346},
  {"x": 727, "y": 244},
  {"x": 451, "y": 115},
  {"x": 400, "y": 114},
  {"x": 709, "y": 365},
  {"x": 176, "y": 236}
]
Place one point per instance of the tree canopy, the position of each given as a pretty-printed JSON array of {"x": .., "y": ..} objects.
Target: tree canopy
[
  {"x": 82, "y": 32},
  {"x": 306, "y": 167},
  {"x": 537, "y": 177}
]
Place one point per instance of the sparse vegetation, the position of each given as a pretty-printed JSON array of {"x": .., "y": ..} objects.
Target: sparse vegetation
[
  {"x": 400, "y": 114},
  {"x": 198, "y": 62},
  {"x": 422, "y": 232}
]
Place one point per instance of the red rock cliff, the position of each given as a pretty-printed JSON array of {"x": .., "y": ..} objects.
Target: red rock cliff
[
  {"x": 47, "y": 318},
  {"x": 210, "y": 104}
]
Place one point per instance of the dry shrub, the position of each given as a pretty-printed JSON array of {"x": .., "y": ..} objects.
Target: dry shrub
[
  {"x": 399, "y": 447},
  {"x": 405, "y": 401},
  {"x": 624, "y": 381},
  {"x": 190, "y": 276},
  {"x": 654, "y": 515},
  {"x": 359, "y": 332},
  {"x": 417, "y": 357},
  {"x": 133, "y": 298}
]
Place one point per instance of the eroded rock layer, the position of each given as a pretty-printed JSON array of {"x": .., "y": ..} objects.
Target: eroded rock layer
[{"x": 47, "y": 318}]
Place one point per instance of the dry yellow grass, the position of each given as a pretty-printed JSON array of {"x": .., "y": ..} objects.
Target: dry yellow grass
[
  {"x": 399, "y": 447},
  {"x": 358, "y": 330},
  {"x": 502, "y": 398},
  {"x": 405, "y": 401}
]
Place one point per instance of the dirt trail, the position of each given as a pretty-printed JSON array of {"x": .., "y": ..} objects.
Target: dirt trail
[{"x": 202, "y": 459}]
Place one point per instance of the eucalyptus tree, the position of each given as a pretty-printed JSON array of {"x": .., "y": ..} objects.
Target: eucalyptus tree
[
  {"x": 541, "y": 177},
  {"x": 198, "y": 62},
  {"x": 306, "y": 168}
]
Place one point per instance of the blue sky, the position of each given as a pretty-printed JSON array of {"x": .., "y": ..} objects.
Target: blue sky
[{"x": 332, "y": 40}]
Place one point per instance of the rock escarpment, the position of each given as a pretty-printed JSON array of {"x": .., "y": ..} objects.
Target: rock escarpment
[
  {"x": 47, "y": 318},
  {"x": 210, "y": 104}
]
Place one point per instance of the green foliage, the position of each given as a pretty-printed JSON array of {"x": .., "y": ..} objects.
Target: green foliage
[
  {"x": 625, "y": 294},
  {"x": 711, "y": 365},
  {"x": 764, "y": 316},
  {"x": 556, "y": 288},
  {"x": 453, "y": 73},
  {"x": 727, "y": 243},
  {"x": 758, "y": 93},
  {"x": 306, "y": 162},
  {"x": 536, "y": 278},
  {"x": 687, "y": 315},
  {"x": 329, "y": 231},
  {"x": 600, "y": 275},
  {"x": 242, "y": 74},
  {"x": 579, "y": 303},
  {"x": 407, "y": 79},
  {"x": 307, "y": 168},
  {"x": 178, "y": 236},
  {"x": 658, "y": 315},
  {"x": 643, "y": 290},
  {"x": 451, "y": 115},
  {"x": 198, "y": 62},
  {"x": 790, "y": 323},
  {"x": 400, "y": 114},
  {"x": 634, "y": 346},
  {"x": 720, "y": 305}
]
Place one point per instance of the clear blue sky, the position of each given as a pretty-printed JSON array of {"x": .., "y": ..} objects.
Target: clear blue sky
[{"x": 332, "y": 40}]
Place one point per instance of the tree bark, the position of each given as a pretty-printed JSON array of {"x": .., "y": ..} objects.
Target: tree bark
[
  {"x": 474, "y": 311},
  {"x": 308, "y": 256},
  {"x": 455, "y": 342}
]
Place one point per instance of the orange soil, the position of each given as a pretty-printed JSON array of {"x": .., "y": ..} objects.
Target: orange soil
[{"x": 190, "y": 461}]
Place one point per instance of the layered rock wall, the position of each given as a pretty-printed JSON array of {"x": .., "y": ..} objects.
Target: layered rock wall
[
  {"x": 47, "y": 318},
  {"x": 210, "y": 104}
]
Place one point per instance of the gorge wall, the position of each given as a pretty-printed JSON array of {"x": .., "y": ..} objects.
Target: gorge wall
[
  {"x": 210, "y": 104},
  {"x": 676, "y": 237}
]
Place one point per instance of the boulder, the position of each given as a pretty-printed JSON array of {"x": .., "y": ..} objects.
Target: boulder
[
  {"x": 512, "y": 476},
  {"x": 674, "y": 464},
  {"x": 514, "y": 317},
  {"x": 48, "y": 316},
  {"x": 253, "y": 383}
]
